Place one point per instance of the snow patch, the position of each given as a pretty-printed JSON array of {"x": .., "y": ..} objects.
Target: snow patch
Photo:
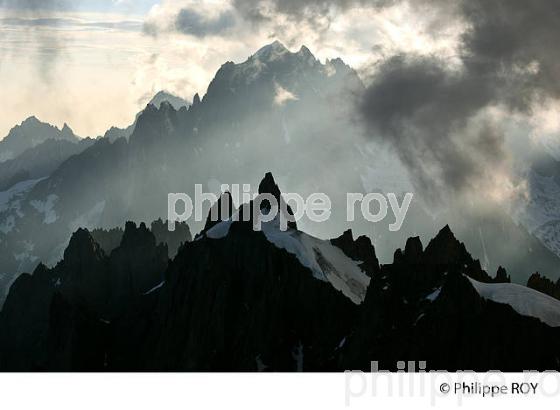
[
  {"x": 524, "y": 300},
  {"x": 434, "y": 295},
  {"x": 420, "y": 316},
  {"x": 8, "y": 224},
  {"x": 8, "y": 199},
  {"x": 326, "y": 262},
  {"x": 152, "y": 290},
  {"x": 282, "y": 96},
  {"x": 219, "y": 230},
  {"x": 342, "y": 342},
  {"x": 46, "y": 208}
]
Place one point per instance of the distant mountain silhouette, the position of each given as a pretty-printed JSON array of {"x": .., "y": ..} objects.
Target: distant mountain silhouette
[
  {"x": 39, "y": 161},
  {"x": 115, "y": 133},
  {"x": 164, "y": 96},
  {"x": 29, "y": 134},
  {"x": 544, "y": 285}
]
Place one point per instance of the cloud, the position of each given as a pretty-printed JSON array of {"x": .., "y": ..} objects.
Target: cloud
[
  {"x": 423, "y": 111},
  {"x": 71, "y": 23},
  {"x": 437, "y": 117},
  {"x": 48, "y": 44},
  {"x": 35, "y": 5},
  {"x": 199, "y": 19},
  {"x": 191, "y": 22},
  {"x": 282, "y": 96}
]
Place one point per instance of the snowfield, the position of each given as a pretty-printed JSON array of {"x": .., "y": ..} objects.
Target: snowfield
[
  {"x": 326, "y": 262},
  {"x": 540, "y": 214},
  {"x": 46, "y": 208},
  {"x": 7, "y": 198},
  {"x": 523, "y": 300}
]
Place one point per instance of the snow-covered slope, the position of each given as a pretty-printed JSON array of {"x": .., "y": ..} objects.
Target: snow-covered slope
[
  {"x": 326, "y": 261},
  {"x": 523, "y": 300},
  {"x": 540, "y": 213},
  {"x": 8, "y": 198}
]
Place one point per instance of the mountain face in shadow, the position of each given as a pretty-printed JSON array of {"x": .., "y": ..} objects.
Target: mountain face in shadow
[
  {"x": 279, "y": 110},
  {"x": 236, "y": 299},
  {"x": 114, "y": 133},
  {"x": 111, "y": 239},
  {"x": 39, "y": 161},
  {"x": 31, "y": 133},
  {"x": 88, "y": 281}
]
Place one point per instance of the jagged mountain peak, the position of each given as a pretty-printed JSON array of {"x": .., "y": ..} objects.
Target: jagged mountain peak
[
  {"x": 215, "y": 214},
  {"x": 444, "y": 239},
  {"x": 165, "y": 96},
  {"x": 304, "y": 50},
  {"x": 82, "y": 249},
  {"x": 196, "y": 100},
  {"x": 359, "y": 249},
  {"x": 31, "y": 120},
  {"x": 134, "y": 235},
  {"x": 413, "y": 249},
  {"x": 269, "y": 186},
  {"x": 30, "y": 133},
  {"x": 276, "y": 48}
]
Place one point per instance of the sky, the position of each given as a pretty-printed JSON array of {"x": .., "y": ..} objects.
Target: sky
[{"x": 95, "y": 64}]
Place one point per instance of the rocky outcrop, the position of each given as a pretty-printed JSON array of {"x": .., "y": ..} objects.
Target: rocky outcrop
[
  {"x": 269, "y": 186},
  {"x": 544, "y": 285},
  {"x": 58, "y": 319},
  {"x": 242, "y": 304},
  {"x": 29, "y": 134},
  {"x": 111, "y": 239},
  {"x": 424, "y": 308},
  {"x": 222, "y": 210},
  {"x": 360, "y": 249}
]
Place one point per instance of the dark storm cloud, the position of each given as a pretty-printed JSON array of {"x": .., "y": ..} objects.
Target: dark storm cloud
[
  {"x": 191, "y": 22},
  {"x": 426, "y": 111},
  {"x": 423, "y": 110},
  {"x": 516, "y": 39}
]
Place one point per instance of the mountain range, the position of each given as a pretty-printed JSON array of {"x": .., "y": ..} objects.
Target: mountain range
[
  {"x": 236, "y": 299},
  {"x": 31, "y": 133}
]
